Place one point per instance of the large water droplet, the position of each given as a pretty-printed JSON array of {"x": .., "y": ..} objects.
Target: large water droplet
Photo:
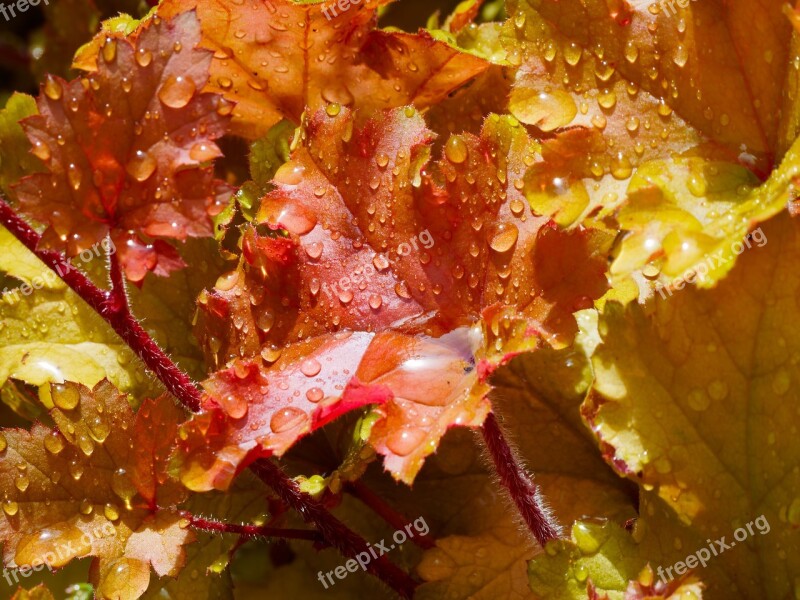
[
  {"x": 65, "y": 397},
  {"x": 177, "y": 91},
  {"x": 310, "y": 367},
  {"x": 52, "y": 88},
  {"x": 60, "y": 543},
  {"x": 405, "y": 440},
  {"x": 141, "y": 166},
  {"x": 286, "y": 419},
  {"x": 503, "y": 237},
  {"x": 456, "y": 150}
]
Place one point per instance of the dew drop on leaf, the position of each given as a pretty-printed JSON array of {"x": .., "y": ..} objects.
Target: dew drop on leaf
[
  {"x": 64, "y": 537},
  {"x": 177, "y": 91},
  {"x": 54, "y": 443},
  {"x": 141, "y": 166},
  {"x": 404, "y": 441},
  {"x": 52, "y": 88},
  {"x": 286, "y": 419},
  {"x": 65, "y": 397},
  {"x": 310, "y": 367}
]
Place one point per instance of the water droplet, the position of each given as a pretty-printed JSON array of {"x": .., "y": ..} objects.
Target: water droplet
[
  {"x": 144, "y": 57},
  {"x": 286, "y": 419},
  {"x": 333, "y": 109},
  {"x": 781, "y": 382},
  {"x": 177, "y": 91},
  {"x": 234, "y": 405},
  {"x": 65, "y": 396},
  {"x": 10, "y": 507},
  {"x": 41, "y": 150},
  {"x": 141, "y": 166},
  {"x": 74, "y": 176},
  {"x": 123, "y": 487},
  {"x": 698, "y": 400},
  {"x": 271, "y": 353},
  {"x": 681, "y": 55},
  {"x": 456, "y": 150},
  {"x": 111, "y": 512},
  {"x": 545, "y": 110},
  {"x": 110, "y": 50},
  {"x": 54, "y": 443},
  {"x": 3, "y": 443},
  {"x": 314, "y": 394},
  {"x": 405, "y": 440},
  {"x": 52, "y": 88},
  {"x": 227, "y": 281},
  {"x": 201, "y": 152},
  {"x": 86, "y": 507},
  {"x": 314, "y": 249},
  {"x": 61, "y": 543},
  {"x": 585, "y": 538},
  {"x": 289, "y": 173},
  {"x": 718, "y": 389},
  {"x": 503, "y": 237},
  {"x": 375, "y": 301},
  {"x": 119, "y": 576},
  {"x": 85, "y": 444},
  {"x": 98, "y": 429},
  {"x": 22, "y": 482}
]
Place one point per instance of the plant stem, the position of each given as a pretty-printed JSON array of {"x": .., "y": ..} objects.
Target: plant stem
[
  {"x": 386, "y": 512},
  {"x": 117, "y": 281},
  {"x": 332, "y": 529},
  {"x": 180, "y": 385},
  {"x": 519, "y": 484},
  {"x": 251, "y": 531}
]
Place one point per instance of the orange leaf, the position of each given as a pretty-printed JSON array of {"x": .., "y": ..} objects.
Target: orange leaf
[
  {"x": 72, "y": 491},
  {"x": 125, "y": 149},
  {"x": 401, "y": 283},
  {"x": 277, "y": 58}
]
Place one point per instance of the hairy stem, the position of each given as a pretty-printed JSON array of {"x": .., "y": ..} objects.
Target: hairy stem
[
  {"x": 251, "y": 531},
  {"x": 332, "y": 529},
  {"x": 519, "y": 484},
  {"x": 180, "y": 385},
  {"x": 117, "y": 278},
  {"x": 386, "y": 512}
]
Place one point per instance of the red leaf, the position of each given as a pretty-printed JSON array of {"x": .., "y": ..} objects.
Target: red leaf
[{"x": 125, "y": 147}]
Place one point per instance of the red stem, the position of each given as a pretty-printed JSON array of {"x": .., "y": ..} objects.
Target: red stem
[
  {"x": 117, "y": 278},
  {"x": 519, "y": 484},
  {"x": 251, "y": 531},
  {"x": 180, "y": 385},
  {"x": 332, "y": 529},
  {"x": 386, "y": 512}
]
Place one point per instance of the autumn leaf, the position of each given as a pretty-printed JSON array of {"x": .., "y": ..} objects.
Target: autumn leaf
[
  {"x": 431, "y": 283},
  {"x": 602, "y": 563},
  {"x": 125, "y": 149},
  {"x": 678, "y": 72},
  {"x": 280, "y": 58},
  {"x": 50, "y": 335},
  {"x": 694, "y": 400},
  {"x": 91, "y": 486}
]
